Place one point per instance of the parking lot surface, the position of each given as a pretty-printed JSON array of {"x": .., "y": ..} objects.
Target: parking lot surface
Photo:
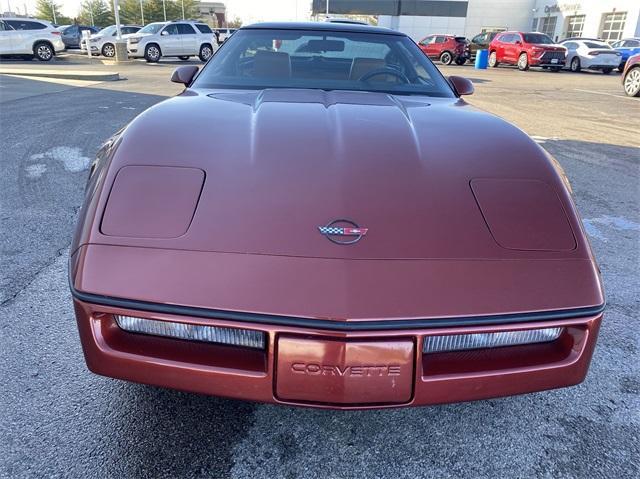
[{"x": 59, "y": 420}]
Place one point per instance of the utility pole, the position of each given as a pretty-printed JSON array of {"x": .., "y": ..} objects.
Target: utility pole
[
  {"x": 327, "y": 8},
  {"x": 53, "y": 11},
  {"x": 164, "y": 9},
  {"x": 183, "y": 9},
  {"x": 142, "y": 13}
]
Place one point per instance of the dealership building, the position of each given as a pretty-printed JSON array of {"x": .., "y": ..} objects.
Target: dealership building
[{"x": 607, "y": 19}]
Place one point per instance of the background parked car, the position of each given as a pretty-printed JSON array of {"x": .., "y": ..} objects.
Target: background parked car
[
  {"x": 591, "y": 55},
  {"x": 526, "y": 50},
  {"x": 481, "y": 42},
  {"x": 446, "y": 48},
  {"x": 29, "y": 37},
  {"x": 627, "y": 48},
  {"x": 72, "y": 34},
  {"x": 631, "y": 76},
  {"x": 102, "y": 43},
  {"x": 222, "y": 34},
  {"x": 181, "y": 39}
]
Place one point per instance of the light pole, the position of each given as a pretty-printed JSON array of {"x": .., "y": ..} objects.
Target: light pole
[
  {"x": 164, "y": 9},
  {"x": 53, "y": 11},
  {"x": 142, "y": 13},
  {"x": 116, "y": 14},
  {"x": 183, "y": 9},
  {"x": 327, "y": 8}
]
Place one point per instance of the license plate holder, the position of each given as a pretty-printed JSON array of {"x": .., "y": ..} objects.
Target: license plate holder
[{"x": 328, "y": 371}]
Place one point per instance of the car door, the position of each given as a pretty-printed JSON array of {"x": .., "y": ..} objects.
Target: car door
[
  {"x": 171, "y": 40},
  {"x": 501, "y": 43},
  {"x": 69, "y": 35},
  {"x": 21, "y": 37},
  {"x": 439, "y": 46},
  {"x": 6, "y": 40},
  {"x": 478, "y": 42},
  {"x": 632, "y": 47},
  {"x": 513, "y": 47},
  {"x": 190, "y": 42},
  {"x": 425, "y": 43}
]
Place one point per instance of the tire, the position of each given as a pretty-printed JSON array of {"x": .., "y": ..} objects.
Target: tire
[
  {"x": 575, "y": 65},
  {"x": 184, "y": 58},
  {"x": 205, "y": 52},
  {"x": 461, "y": 61},
  {"x": 523, "y": 62},
  {"x": 631, "y": 82},
  {"x": 446, "y": 58},
  {"x": 493, "y": 60},
  {"x": 43, "y": 51},
  {"x": 152, "y": 53},
  {"x": 109, "y": 50},
  {"x": 606, "y": 71}
]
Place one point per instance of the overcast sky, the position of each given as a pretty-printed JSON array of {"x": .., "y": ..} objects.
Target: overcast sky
[{"x": 250, "y": 11}]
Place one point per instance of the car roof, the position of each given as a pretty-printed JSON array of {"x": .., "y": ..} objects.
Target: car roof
[
  {"x": 322, "y": 26},
  {"x": 29, "y": 19}
]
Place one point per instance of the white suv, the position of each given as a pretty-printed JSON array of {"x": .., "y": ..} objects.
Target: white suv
[
  {"x": 181, "y": 39},
  {"x": 29, "y": 37},
  {"x": 103, "y": 42}
]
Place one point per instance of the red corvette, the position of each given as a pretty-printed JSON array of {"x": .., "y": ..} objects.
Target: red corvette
[{"x": 304, "y": 225}]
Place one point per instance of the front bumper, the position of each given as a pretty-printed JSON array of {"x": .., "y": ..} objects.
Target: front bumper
[
  {"x": 135, "y": 50},
  {"x": 537, "y": 62},
  {"x": 258, "y": 375}
]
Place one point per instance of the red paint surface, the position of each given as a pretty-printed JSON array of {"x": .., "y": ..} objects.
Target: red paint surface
[{"x": 280, "y": 163}]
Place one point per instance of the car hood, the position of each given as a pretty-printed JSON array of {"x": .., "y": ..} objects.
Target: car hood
[
  {"x": 278, "y": 164},
  {"x": 139, "y": 35},
  {"x": 546, "y": 46}
]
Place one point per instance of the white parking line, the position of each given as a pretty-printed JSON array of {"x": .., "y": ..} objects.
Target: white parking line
[{"x": 603, "y": 93}]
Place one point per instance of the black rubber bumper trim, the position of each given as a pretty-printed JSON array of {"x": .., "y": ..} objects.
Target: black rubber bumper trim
[{"x": 330, "y": 325}]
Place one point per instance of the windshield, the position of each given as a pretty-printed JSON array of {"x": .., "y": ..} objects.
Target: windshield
[
  {"x": 537, "y": 38},
  {"x": 151, "y": 28},
  {"x": 107, "y": 31},
  {"x": 326, "y": 60}
]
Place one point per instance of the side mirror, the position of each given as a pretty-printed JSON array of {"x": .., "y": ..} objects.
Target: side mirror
[
  {"x": 186, "y": 73},
  {"x": 460, "y": 84},
  {"x": 518, "y": 42},
  {"x": 164, "y": 32}
]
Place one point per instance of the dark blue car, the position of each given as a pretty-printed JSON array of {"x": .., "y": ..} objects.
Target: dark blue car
[{"x": 627, "y": 47}]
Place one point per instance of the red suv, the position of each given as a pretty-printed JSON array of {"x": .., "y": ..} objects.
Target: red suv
[
  {"x": 526, "y": 50},
  {"x": 446, "y": 48}
]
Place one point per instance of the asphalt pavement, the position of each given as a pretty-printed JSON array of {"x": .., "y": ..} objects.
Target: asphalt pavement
[{"x": 59, "y": 420}]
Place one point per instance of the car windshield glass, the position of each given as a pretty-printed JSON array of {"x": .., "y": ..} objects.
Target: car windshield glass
[
  {"x": 326, "y": 60},
  {"x": 537, "y": 38},
  {"x": 151, "y": 28},
  {"x": 107, "y": 31},
  {"x": 597, "y": 45}
]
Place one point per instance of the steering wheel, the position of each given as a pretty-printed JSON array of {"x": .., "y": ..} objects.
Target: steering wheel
[{"x": 384, "y": 71}]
